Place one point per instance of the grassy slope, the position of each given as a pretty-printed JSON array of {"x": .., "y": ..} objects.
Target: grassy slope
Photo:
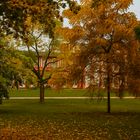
[{"x": 70, "y": 119}]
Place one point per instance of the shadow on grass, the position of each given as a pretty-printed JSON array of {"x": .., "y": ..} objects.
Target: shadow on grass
[{"x": 78, "y": 112}]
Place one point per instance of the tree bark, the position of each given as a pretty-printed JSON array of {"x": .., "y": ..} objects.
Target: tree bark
[
  {"x": 0, "y": 100},
  {"x": 41, "y": 93},
  {"x": 108, "y": 86},
  {"x": 108, "y": 93}
]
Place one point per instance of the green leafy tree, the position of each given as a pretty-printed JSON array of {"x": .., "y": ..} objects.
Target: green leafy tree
[
  {"x": 42, "y": 51},
  {"x": 12, "y": 66},
  {"x": 30, "y": 20}
]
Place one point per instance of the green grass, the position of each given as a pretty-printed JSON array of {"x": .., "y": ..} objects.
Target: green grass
[
  {"x": 55, "y": 93},
  {"x": 48, "y": 93},
  {"x": 70, "y": 120}
]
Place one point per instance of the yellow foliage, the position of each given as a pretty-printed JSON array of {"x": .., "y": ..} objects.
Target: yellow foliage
[
  {"x": 70, "y": 34},
  {"x": 124, "y": 4},
  {"x": 28, "y": 21},
  {"x": 101, "y": 41},
  {"x": 106, "y": 22}
]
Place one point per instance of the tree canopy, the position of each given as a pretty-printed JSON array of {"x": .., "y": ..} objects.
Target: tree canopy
[{"x": 104, "y": 32}]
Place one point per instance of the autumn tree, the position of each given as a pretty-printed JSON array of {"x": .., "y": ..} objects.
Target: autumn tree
[
  {"x": 134, "y": 66},
  {"x": 104, "y": 30}
]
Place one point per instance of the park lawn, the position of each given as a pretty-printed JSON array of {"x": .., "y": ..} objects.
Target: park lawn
[
  {"x": 57, "y": 93},
  {"x": 48, "y": 93},
  {"x": 70, "y": 120}
]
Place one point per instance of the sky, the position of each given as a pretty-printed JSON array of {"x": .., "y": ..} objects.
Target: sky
[{"x": 136, "y": 8}]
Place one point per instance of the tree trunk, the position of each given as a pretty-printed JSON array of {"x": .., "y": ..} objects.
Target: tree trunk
[
  {"x": 0, "y": 100},
  {"x": 108, "y": 85},
  {"x": 108, "y": 92},
  {"x": 41, "y": 93}
]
